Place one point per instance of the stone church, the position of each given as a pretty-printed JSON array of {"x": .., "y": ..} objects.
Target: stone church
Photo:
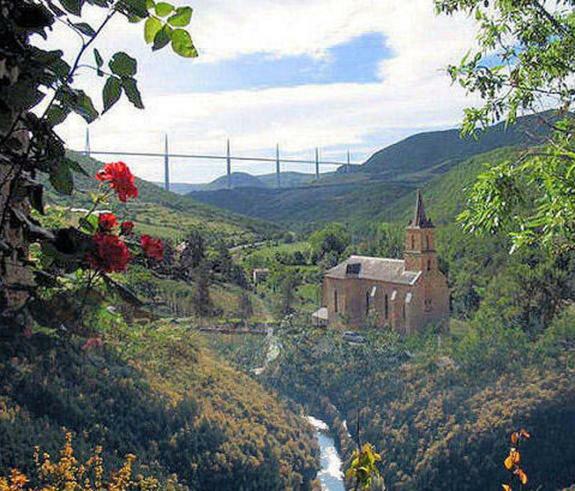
[{"x": 403, "y": 294}]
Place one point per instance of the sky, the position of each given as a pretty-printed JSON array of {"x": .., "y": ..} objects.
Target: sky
[{"x": 340, "y": 75}]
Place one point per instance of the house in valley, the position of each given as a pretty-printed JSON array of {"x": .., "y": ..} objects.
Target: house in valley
[{"x": 402, "y": 294}]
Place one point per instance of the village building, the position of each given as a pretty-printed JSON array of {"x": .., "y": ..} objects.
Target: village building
[{"x": 402, "y": 294}]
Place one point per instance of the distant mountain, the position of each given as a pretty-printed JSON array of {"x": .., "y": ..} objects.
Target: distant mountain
[
  {"x": 378, "y": 184},
  {"x": 424, "y": 155},
  {"x": 244, "y": 180}
]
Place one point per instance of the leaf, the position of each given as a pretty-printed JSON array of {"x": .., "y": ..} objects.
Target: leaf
[
  {"x": 35, "y": 192},
  {"x": 85, "y": 29},
  {"x": 56, "y": 115},
  {"x": 162, "y": 38},
  {"x": 123, "y": 291},
  {"x": 506, "y": 487},
  {"x": 163, "y": 9},
  {"x": 150, "y": 4},
  {"x": 61, "y": 178},
  {"x": 84, "y": 107},
  {"x": 73, "y": 6},
  {"x": 98, "y": 58},
  {"x": 123, "y": 65},
  {"x": 522, "y": 476},
  {"x": 35, "y": 230},
  {"x": 111, "y": 92},
  {"x": 182, "y": 44},
  {"x": 524, "y": 433},
  {"x": 89, "y": 224},
  {"x": 76, "y": 167},
  {"x": 134, "y": 8},
  {"x": 131, "y": 89},
  {"x": 151, "y": 28},
  {"x": 182, "y": 17}
]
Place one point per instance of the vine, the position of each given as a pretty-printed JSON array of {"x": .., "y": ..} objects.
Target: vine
[{"x": 29, "y": 144}]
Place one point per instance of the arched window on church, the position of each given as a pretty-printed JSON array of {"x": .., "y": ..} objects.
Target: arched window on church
[
  {"x": 367, "y": 306},
  {"x": 335, "y": 301},
  {"x": 427, "y": 242},
  {"x": 413, "y": 242},
  {"x": 429, "y": 265}
]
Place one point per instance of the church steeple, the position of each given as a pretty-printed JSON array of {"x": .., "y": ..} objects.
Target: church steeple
[
  {"x": 420, "y": 219},
  {"x": 420, "y": 252}
]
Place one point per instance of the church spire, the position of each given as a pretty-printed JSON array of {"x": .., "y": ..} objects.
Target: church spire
[{"x": 420, "y": 219}]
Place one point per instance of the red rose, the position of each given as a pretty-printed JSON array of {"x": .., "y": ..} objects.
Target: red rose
[
  {"x": 127, "y": 227},
  {"x": 111, "y": 254},
  {"x": 152, "y": 247},
  {"x": 107, "y": 221},
  {"x": 120, "y": 178}
]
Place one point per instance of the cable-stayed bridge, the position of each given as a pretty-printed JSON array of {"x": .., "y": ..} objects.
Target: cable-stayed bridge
[{"x": 228, "y": 158}]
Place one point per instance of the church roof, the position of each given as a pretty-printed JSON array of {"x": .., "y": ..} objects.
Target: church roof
[
  {"x": 420, "y": 219},
  {"x": 374, "y": 268}
]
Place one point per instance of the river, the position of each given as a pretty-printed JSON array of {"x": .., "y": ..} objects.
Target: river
[{"x": 330, "y": 474}]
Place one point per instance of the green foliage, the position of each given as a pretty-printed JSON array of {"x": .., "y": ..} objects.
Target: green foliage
[
  {"x": 201, "y": 299},
  {"x": 160, "y": 213},
  {"x": 112, "y": 92},
  {"x": 363, "y": 468},
  {"x": 159, "y": 31},
  {"x": 438, "y": 405},
  {"x": 284, "y": 282},
  {"x": 29, "y": 145},
  {"x": 529, "y": 44},
  {"x": 157, "y": 392},
  {"x": 333, "y": 238}
]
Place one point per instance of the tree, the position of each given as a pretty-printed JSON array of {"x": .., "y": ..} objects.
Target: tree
[
  {"x": 285, "y": 282},
  {"x": 245, "y": 307},
  {"x": 333, "y": 238},
  {"x": 193, "y": 254},
  {"x": 201, "y": 297},
  {"x": 28, "y": 142},
  {"x": 222, "y": 263},
  {"x": 522, "y": 64}
]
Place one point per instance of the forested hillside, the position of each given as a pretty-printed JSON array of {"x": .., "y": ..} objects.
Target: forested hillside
[
  {"x": 445, "y": 195},
  {"x": 164, "y": 213},
  {"x": 153, "y": 391},
  {"x": 374, "y": 188},
  {"x": 304, "y": 206},
  {"x": 424, "y": 155},
  {"x": 441, "y": 413}
]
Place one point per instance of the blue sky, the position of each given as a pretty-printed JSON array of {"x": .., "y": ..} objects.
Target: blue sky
[
  {"x": 337, "y": 74},
  {"x": 355, "y": 60}
]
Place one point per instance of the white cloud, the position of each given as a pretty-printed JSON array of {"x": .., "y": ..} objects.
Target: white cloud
[{"x": 413, "y": 93}]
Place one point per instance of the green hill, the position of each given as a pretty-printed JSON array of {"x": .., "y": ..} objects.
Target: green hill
[
  {"x": 380, "y": 182},
  {"x": 445, "y": 195},
  {"x": 154, "y": 391},
  {"x": 302, "y": 206},
  {"x": 424, "y": 155},
  {"x": 163, "y": 213},
  {"x": 245, "y": 180}
]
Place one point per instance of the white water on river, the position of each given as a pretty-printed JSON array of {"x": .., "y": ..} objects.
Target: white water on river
[{"x": 330, "y": 474}]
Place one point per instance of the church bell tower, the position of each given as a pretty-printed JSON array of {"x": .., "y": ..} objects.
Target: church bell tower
[{"x": 420, "y": 254}]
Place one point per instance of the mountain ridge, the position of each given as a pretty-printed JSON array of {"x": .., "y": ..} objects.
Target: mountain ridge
[{"x": 384, "y": 178}]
